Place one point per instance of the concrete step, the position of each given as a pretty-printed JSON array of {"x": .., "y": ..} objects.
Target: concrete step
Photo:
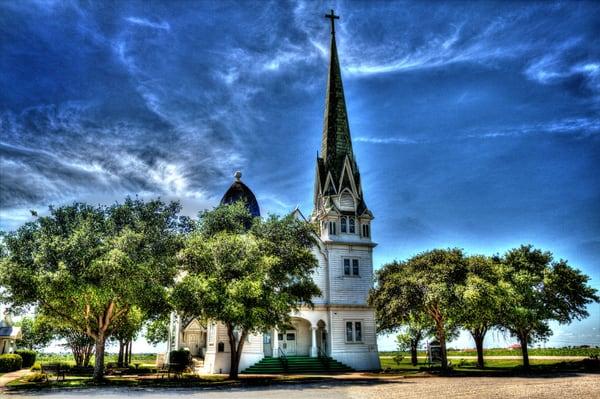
[{"x": 296, "y": 364}]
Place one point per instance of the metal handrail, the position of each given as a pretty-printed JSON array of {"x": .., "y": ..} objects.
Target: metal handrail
[
  {"x": 323, "y": 357},
  {"x": 283, "y": 358}
]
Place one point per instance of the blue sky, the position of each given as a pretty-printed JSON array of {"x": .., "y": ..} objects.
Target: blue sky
[{"x": 474, "y": 124}]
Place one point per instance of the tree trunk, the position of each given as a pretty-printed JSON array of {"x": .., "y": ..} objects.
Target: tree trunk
[
  {"x": 478, "y": 337},
  {"x": 442, "y": 338},
  {"x": 236, "y": 351},
  {"x": 413, "y": 352},
  {"x": 414, "y": 345},
  {"x": 88, "y": 350},
  {"x": 126, "y": 353},
  {"x": 99, "y": 363},
  {"x": 120, "y": 357},
  {"x": 523, "y": 341},
  {"x": 130, "y": 350}
]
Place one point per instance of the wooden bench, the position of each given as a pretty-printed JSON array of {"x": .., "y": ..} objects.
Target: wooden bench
[
  {"x": 170, "y": 368},
  {"x": 55, "y": 369}
]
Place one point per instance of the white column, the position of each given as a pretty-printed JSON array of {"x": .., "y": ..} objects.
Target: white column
[
  {"x": 275, "y": 343},
  {"x": 313, "y": 349},
  {"x": 177, "y": 331}
]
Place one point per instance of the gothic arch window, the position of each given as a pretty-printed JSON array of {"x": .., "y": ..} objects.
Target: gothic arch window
[
  {"x": 352, "y": 227},
  {"x": 343, "y": 225}
]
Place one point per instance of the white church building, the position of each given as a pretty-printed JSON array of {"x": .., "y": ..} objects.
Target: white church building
[{"x": 341, "y": 326}]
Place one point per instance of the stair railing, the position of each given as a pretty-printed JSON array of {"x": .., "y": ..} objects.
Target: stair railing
[
  {"x": 323, "y": 358},
  {"x": 283, "y": 358}
]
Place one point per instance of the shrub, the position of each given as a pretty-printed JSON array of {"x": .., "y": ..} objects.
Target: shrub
[
  {"x": 28, "y": 357},
  {"x": 36, "y": 367},
  {"x": 182, "y": 357},
  {"x": 35, "y": 377},
  {"x": 592, "y": 363},
  {"x": 10, "y": 362}
]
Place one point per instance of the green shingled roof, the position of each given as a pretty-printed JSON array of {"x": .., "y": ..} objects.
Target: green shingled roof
[{"x": 336, "y": 143}]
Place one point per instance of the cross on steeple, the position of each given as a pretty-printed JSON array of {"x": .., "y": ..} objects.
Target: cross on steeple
[{"x": 332, "y": 17}]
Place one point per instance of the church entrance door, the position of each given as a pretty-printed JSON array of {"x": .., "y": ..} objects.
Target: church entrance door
[{"x": 287, "y": 342}]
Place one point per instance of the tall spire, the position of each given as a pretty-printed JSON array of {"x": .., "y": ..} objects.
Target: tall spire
[{"x": 336, "y": 142}]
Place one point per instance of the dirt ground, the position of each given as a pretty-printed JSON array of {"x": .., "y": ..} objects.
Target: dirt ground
[{"x": 558, "y": 386}]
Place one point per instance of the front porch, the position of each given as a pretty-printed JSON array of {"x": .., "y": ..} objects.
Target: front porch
[{"x": 299, "y": 339}]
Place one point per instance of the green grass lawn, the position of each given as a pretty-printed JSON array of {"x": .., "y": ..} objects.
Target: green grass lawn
[
  {"x": 516, "y": 352},
  {"x": 468, "y": 365}
]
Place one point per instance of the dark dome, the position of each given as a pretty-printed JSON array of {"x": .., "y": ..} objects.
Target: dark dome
[{"x": 239, "y": 191}]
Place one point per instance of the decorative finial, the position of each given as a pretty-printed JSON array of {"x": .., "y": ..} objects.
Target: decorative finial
[
  {"x": 238, "y": 175},
  {"x": 332, "y": 17}
]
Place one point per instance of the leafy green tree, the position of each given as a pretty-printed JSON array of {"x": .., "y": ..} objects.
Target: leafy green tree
[
  {"x": 125, "y": 331},
  {"x": 157, "y": 330},
  {"x": 87, "y": 266},
  {"x": 36, "y": 333},
  {"x": 247, "y": 274},
  {"x": 418, "y": 327},
  {"x": 78, "y": 342},
  {"x": 427, "y": 284},
  {"x": 541, "y": 289},
  {"x": 482, "y": 300}
]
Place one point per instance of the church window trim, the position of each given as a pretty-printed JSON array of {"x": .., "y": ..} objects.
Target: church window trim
[
  {"x": 343, "y": 225},
  {"x": 351, "y": 225},
  {"x": 354, "y": 331},
  {"x": 351, "y": 267}
]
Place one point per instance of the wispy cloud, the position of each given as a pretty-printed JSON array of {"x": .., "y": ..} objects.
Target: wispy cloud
[
  {"x": 384, "y": 140},
  {"x": 163, "y": 25}
]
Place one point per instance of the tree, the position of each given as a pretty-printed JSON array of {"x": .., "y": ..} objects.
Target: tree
[
  {"x": 426, "y": 284},
  {"x": 125, "y": 331},
  {"x": 36, "y": 333},
  {"x": 88, "y": 266},
  {"x": 157, "y": 330},
  {"x": 247, "y": 274},
  {"x": 482, "y": 300},
  {"x": 79, "y": 343},
  {"x": 541, "y": 289},
  {"x": 418, "y": 327}
]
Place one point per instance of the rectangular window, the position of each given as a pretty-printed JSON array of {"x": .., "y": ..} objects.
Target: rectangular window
[
  {"x": 353, "y": 331},
  {"x": 365, "y": 229},
  {"x": 346, "y": 267},
  {"x": 349, "y": 331},
  {"x": 351, "y": 225},
  {"x": 343, "y": 224},
  {"x": 332, "y": 228},
  {"x": 355, "y": 267}
]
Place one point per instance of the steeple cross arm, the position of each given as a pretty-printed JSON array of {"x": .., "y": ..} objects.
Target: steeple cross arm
[{"x": 332, "y": 17}]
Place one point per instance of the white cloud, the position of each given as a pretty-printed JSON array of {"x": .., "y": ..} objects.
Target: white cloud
[
  {"x": 147, "y": 23},
  {"x": 384, "y": 140}
]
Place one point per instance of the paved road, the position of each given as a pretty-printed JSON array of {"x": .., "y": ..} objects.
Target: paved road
[{"x": 565, "y": 386}]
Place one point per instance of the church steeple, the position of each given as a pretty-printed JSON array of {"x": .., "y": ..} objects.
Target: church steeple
[
  {"x": 337, "y": 176},
  {"x": 336, "y": 143}
]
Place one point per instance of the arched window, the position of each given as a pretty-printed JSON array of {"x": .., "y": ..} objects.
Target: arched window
[
  {"x": 343, "y": 228},
  {"x": 352, "y": 226},
  {"x": 221, "y": 347}
]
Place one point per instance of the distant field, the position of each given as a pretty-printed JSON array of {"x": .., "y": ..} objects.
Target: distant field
[
  {"x": 470, "y": 365},
  {"x": 142, "y": 358},
  {"x": 515, "y": 352}
]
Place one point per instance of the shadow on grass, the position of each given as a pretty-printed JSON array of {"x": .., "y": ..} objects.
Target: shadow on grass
[{"x": 191, "y": 381}]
